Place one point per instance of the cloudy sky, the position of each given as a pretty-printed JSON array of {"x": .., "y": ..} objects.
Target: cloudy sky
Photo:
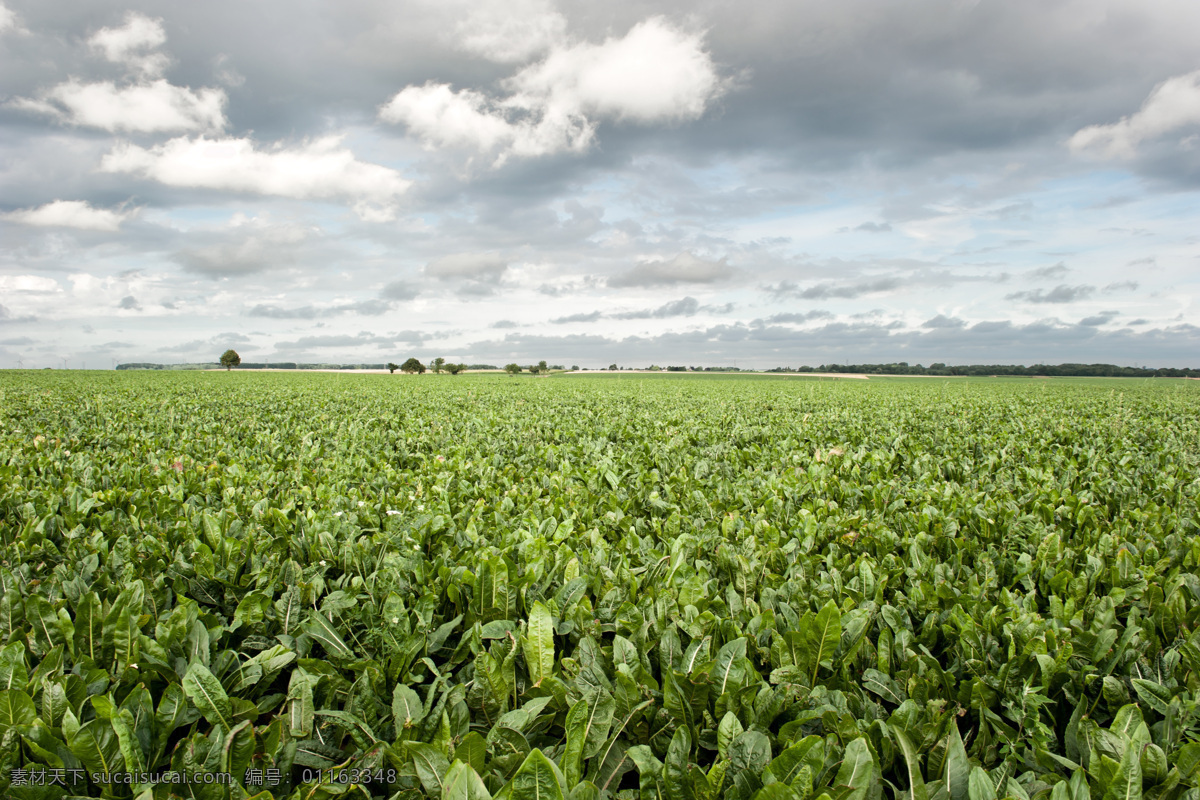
[{"x": 778, "y": 183}]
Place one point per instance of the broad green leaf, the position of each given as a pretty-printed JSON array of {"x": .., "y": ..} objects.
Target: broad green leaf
[
  {"x": 577, "y": 730},
  {"x": 463, "y": 783},
  {"x": 785, "y": 767},
  {"x": 912, "y": 764},
  {"x": 957, "y": 771},
  {"x": 320, "y": 628},
  {"x": 407, "y": 709},
  {"x": 729, "y": 729},
  {"x": 431, "y": 765},
  {"x": 856, "y": 772},
  {"x": 538, "y": 644},
  {"x": 728, "y": 658},
  {"x": 16, "y": 708},
  {"x": 980, "y": 786},
  {"x": 1127, "y": 783},
  {"x": 538, "y": 779},
  {"x": 825, "y": 636},
  {"x": 205, "y": 691}
]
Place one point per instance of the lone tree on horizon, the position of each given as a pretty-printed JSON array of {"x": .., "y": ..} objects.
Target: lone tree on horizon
[
  {"x": 230, "y": 359},
  {"x": 392, "y": 367},
  {"x": 412, "y": 365}
]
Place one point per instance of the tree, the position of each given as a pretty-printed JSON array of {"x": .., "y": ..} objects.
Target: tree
[
  {"x": 574, "y": 368},
  {"x": 412, "y": 365},
  {"x": 512, "y": 369},
  {"x": 612, "y": 367},
  {"x": 230, "y": 359},
  {"x": 392, "y": 367},
  {"x": 438, "y": 363},
  {"x": 454, "y": 369},
  {"x": 541, "y": 367}
]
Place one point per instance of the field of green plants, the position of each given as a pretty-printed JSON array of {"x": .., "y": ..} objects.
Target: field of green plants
[{"x": 230, "y": 585}]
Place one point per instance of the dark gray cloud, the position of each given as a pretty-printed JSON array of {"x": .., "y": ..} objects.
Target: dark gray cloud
[
  {"x": 684, "y": 307},
  {"x": 1059, "y": 294},
  {"x": 683, "y": 268},
  {"x": 504, "y": 323},
  {"x": 475, "y": 266},
  {"x": 1103, "y": 318},
  {"x": 798, "y": 317},
  {"x": 942, "y": 321},
  {"x": 591, "y": 316},
  {"x": 1051, "y": 273},
  {"x": 874, "y": 227},
  {"x": 400, "y": 290},
  {"x": 129, "y": 303}
]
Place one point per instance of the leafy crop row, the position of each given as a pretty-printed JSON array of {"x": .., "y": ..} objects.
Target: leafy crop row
[{"x": 328, "y": 586}]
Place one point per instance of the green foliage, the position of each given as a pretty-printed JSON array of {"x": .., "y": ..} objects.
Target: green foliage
[
  {"x": 413, "y": 365},
  {"x": 230, "y": 359},
  {"x": 589, "y": 588}
]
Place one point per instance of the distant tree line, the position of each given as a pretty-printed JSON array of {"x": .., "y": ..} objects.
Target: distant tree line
[
  {"x": 897, "y": 368},
  {"x": 1036, "y": 370}
]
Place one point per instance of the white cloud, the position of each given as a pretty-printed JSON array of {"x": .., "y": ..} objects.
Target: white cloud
[
  {"x": 129, "y": 44},
  {"x": 8, "y": 20},
  {"x": 318, "y": 170},
  {"x": 154, "y": 107},
  {"x": 70, "y": 214},
  {"x": 1174, "y": 104},
  {"x": 656, "y": 73},
  {"x": 444, "y": 118},
  {"x": 511, "y": 31},
  {"x": 32, "y": 284}
]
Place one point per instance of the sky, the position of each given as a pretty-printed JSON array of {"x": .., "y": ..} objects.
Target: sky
[{"x": 777, "y": 183}]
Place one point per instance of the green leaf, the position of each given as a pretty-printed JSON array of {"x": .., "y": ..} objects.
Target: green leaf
[
  {"x": 1126, "y": 784},
  {"x": 980, "y": 786},
  {"x": 538, "y": 779},
  {"x": 728, "y": 658},
  {"x": 729, "y": 729},
  {"x": 675, "y": 766},
  {"x": 205, "y": 691},
  {"x": 288, "y": 609},
  {"x": 855, "y": 774},
  {"x": 749, "y": 752},
  {"x": 912, "y": 764},
  {"x": 463, "y": 783},
  {"x": 407, "y": 709},
  {"x": 95, "y": 744},
  {"x": 472, "y": 750},
  {"x": 785, "y": 767},
  {"x": 538, "y": 644},
  {"x": 13, "y": 674},
  {"x": 577, "y": 730},
  {"x": 16, "y": 708},
  {"x": 320, "y": 628},
  {"x": 824, "y": 636},
  {"x": 878, "y": 683},
  {"x": 957, "y": 772},
  {"x": 431, "y": 765},
  {"x": 89, "y": 623}
]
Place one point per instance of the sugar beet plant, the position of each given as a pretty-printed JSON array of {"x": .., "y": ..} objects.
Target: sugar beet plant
[{"x": 337, "y": 587}]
